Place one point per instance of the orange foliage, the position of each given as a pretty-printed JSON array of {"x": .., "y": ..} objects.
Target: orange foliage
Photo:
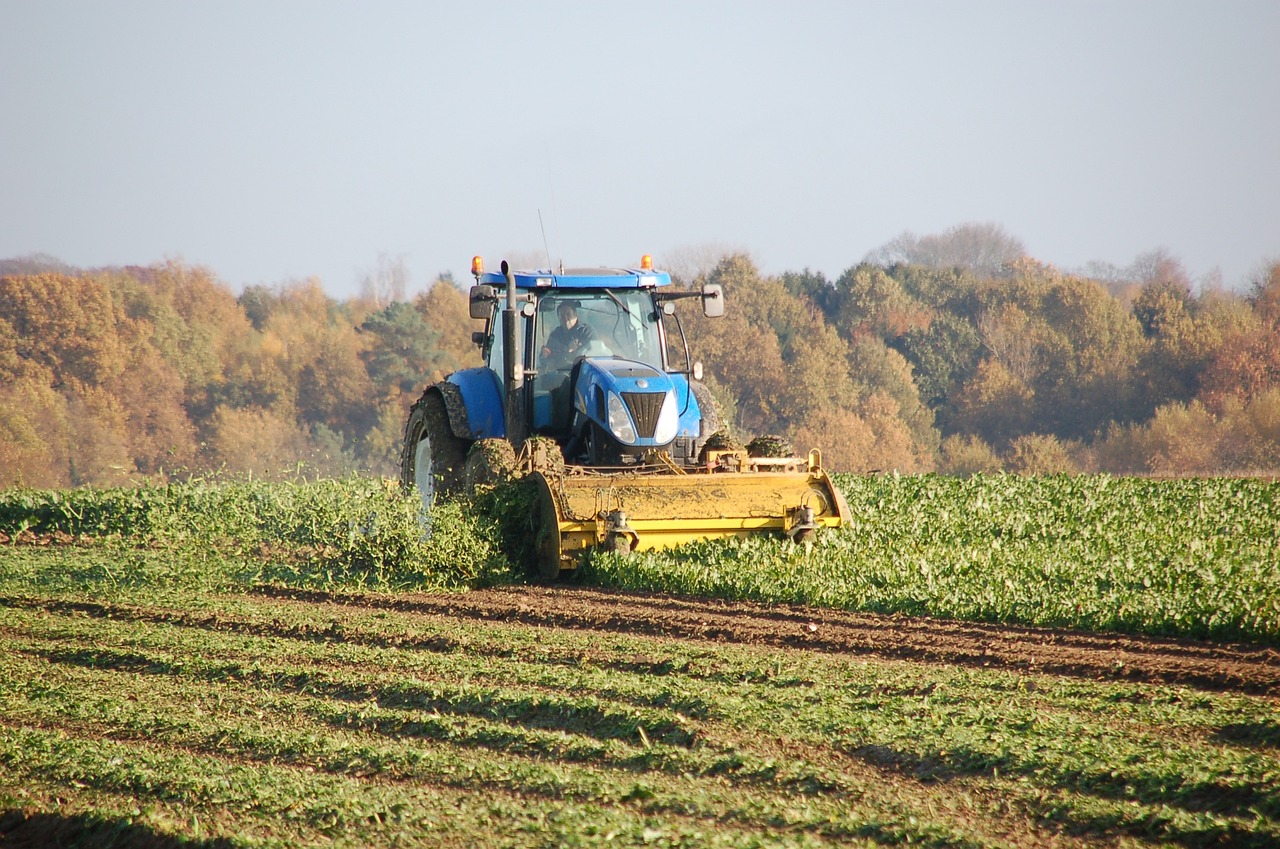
[
  {"x": 254, "y": 441},
  {"x": 846, "y": 441},
  {"x": 34, "y": 442},
  {"x": 1247, "y": 365},
  {"x": 445, "y": 307},
  {"x": 993, "y": 404},
  {"x": 141, "y": 373}
]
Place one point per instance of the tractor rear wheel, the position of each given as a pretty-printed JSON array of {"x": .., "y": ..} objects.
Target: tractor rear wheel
[{"x": 433, "y": 458}]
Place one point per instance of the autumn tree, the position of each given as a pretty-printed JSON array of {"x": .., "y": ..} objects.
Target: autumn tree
[
  {"x": 1247, "y": 365},
  {"x": 68, "y": 324},
  {"x": 142, "y": 373},
  {"x": 445, "y": 311},
  {"x": 868, "y": 299},
  {"x": 94, "y": 347},
  {"x": 967, "y": 455},
  {"x": 797, "y": 374},
  {"x": 1264, "y": 295},
  {"x": 35, "y": 427},
  {"x": 1039, "y": 454},
  {"x": 943, "y": 355}
]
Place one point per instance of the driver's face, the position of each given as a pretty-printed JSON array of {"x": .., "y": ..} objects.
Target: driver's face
[{"x": 568, "y": 316}]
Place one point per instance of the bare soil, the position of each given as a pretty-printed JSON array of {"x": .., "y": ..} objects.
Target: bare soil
[{"x": 1227, "y": 667}]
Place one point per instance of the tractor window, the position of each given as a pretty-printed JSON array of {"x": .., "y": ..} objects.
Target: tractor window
[
  {"x": 496, "y": 343},
  {"x": 625, "y": 322},
  {"x": 570, "y": 325},
  {"x": 597, "y": 323}
]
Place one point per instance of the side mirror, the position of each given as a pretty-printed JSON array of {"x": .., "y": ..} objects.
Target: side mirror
[
  {"x": 478, "y": 338},
  {"x": 482, "y": 298},
  {"x": 712, "y": 300}
]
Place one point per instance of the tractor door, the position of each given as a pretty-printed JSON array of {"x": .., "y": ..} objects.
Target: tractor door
[{"x": 550, "y": 394}]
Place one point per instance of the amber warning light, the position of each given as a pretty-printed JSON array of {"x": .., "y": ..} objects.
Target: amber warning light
[
  {"x": 477, "y": 266},
  {"x": 646, "y": 263}
]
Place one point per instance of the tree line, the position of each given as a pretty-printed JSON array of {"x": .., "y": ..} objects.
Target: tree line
[
  {"x": 153, "y": 373},
  {"x": 956, "y": 354},
  {"x": 933, "y": 366}
]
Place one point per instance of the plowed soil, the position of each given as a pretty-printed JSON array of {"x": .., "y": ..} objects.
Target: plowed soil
[{"x": 1198, "y": 664}]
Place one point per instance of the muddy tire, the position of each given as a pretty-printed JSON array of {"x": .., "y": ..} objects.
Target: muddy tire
[
  {"x": 433, "y": 458},
  {"x": 489, "y": 462}
]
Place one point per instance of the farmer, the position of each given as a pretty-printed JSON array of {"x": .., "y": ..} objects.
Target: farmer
[{"x": 570, "y": 337}]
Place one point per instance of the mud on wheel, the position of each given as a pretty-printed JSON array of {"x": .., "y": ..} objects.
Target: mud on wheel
[
  {"x": 433, "y": 458},
  {"x": 489, "y": 462}
]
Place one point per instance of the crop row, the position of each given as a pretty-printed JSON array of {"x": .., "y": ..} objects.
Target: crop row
[
  {"x": 265, "y": 721},
  {"x": 1193, "y": 557},
  {"x": 357, "y": 531},
  {"x": 1170, "y": 557}
]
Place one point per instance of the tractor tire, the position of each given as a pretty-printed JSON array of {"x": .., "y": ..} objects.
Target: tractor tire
[
  {"x": 489, "y": 462},
  {"x": 712, "y": 422},
  {"x": 433, "y": 458}
]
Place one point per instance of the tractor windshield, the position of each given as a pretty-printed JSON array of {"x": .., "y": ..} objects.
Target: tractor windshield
[
  {"x": 570, "y": 325},
  {"x": 596, "y": 323}
]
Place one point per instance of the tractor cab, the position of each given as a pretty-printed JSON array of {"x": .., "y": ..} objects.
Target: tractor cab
[{"x": 593, "y": 371}]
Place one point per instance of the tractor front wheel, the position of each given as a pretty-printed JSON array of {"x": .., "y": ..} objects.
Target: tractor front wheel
[
  {"x": 433, "y": 458},
  {"x": 489, "y": 462}
]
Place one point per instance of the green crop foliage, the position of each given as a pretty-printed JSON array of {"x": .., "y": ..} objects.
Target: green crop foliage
[
  {"x": 227, "y": 717},
  {"x": 1191, "y": 557},
  {"x": 354, "y": 532}
]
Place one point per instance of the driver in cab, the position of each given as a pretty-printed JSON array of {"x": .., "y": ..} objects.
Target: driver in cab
[{"x": 569, "y": 338}]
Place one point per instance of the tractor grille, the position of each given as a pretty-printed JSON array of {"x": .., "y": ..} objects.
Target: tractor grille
[{"x": 644, "y": 407}]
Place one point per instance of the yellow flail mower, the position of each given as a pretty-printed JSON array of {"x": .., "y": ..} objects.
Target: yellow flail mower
[{"x": 579, "y": 392}]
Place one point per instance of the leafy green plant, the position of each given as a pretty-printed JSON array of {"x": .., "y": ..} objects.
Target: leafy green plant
[
  {"x": 1174, "y": 557},
  {"x": 272, "y": 718},
  {"x": 359, "y": 531}
]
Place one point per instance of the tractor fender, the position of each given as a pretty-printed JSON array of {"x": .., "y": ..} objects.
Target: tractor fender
[{"x": 474, "y": 401}]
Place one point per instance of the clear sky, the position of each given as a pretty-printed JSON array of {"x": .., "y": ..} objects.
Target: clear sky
[{"x": 274, "y": 140}]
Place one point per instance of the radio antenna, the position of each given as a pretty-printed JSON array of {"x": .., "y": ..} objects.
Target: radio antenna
[{"x": 545, "y": 246}]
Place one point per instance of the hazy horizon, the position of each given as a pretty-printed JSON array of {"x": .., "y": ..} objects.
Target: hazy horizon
[{"x": 285, "y": 140}]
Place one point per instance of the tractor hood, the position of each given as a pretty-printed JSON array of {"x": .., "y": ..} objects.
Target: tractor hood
[{"x": 635, "y": 403}]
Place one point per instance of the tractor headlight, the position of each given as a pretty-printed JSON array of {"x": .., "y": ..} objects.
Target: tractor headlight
[
  {"x": 620, "y": 424},
  {"x": 668, "y": 421}
]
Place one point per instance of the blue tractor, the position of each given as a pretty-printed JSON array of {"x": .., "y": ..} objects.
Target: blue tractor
[{"x": 589, "y": 389}]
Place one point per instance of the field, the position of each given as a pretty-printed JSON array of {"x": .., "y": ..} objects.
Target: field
[{"x": 239, "y": 666}]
